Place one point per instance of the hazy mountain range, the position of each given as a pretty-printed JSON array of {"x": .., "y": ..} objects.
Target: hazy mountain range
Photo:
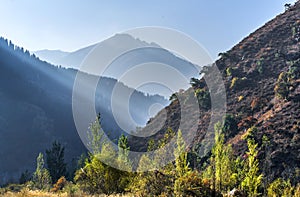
[
  {"x": 36, "y": 109},
  {"x": 133, "y": 52}
]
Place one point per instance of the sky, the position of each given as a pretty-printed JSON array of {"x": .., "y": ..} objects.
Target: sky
[{"x": 69, "y": 25}]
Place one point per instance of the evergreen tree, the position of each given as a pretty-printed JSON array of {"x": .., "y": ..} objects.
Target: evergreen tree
[
  {"x": 181, "y": 165},
  {"x": 41, "y": 177},
  {"x": 95, "y": 135},
  {"x": 253, "y": 179},
  {"x": 221, "y": 170},
  {"x": 55, "y": 161},
  {"x": 123, "y": 154},
  {"x": 25, "y": 177}
]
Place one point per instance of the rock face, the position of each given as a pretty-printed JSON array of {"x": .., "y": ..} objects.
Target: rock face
[{"x": 250, "y": 72}]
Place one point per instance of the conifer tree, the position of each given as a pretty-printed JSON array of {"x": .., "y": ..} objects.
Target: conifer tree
[
  {"x": 253, "y": 179},
  {"x": 123, "y": 153},
  {"x": 221, "y": 169},
  {"x": 181, "y": 165},
  {"x": 55, "y": 161},
  {"x": 41, "y": 177}
]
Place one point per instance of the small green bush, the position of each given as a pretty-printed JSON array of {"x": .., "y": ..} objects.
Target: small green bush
[
  {"x": 203, "y": 97},
  {"x": 282, "y": 86},
  {"x": 234, "y": 82},
  {"x": 280, "y": 187}
]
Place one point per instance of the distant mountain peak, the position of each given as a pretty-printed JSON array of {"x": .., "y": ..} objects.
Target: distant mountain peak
[{"x": 74, "y": 59}]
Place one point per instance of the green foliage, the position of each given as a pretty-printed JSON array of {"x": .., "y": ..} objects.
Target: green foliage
[
  {"x": 223, "y": 55},
  {"x": 281, "y": 188},
  {"x": 259, "y": 66},
  {"x": 95, "y": 135},
  {"x": 96, "y": 176},
  {"x": 221, "y": 167},
  {"x": 41, "y": 178},
  {"x": 229, "y": 71},
  {"x": 72, "y": 190},
  {"x": 173, "y": 97},
  {"x": 191, "y": 184},
  {"x": 181, "y": 164},
  {"x": 195, "y": 82},
  {"x": 234, "y": 81},
  {"x": 25, "y": 177},
  {"x": 253, "y": 179},
  {"x": 203, "y": 97},
  {"x": 249, "y": 133},
  {"x": 282, "y": 86},
  {"x": 230, "y": 127},
  {"x": 123, "y": 154},
  {"x": 55, "y": 161},
  {"x": 237, "y": 82}
]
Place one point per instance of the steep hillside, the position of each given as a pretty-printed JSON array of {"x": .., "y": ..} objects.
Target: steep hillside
[{"x": 256, "y": 96}]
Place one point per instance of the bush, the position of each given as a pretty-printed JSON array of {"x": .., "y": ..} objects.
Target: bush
[
  {"x": 234, "y": 81},
  {"x": 72, "y": 189},
  {"x": 59, "y": 185},
  {"x": 280, "y": 187},
  {"x": 229, "y": 71},
  {"x": 230, "y": 126},
  {"x": 249, "y": 133},
  {"x": 282, "y": 86},
  {"x": 191, "y": 184},
  {"x": 240, "y": 98},
  {"x": 203, "y": 97},
  {"x": 259, "y": 65}
]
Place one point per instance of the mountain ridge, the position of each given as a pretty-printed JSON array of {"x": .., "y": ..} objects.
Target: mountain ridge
[{"x": 252, "y": 76}]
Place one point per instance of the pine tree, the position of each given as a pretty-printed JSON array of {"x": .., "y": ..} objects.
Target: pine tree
[
  {"x": 55, "y": 161},
  {"x": 95, "y": 135},
  {"x": 123, "y": 154}
]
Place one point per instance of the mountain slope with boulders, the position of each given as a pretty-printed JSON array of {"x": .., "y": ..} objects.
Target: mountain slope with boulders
[{"x": 262, "y": 80}]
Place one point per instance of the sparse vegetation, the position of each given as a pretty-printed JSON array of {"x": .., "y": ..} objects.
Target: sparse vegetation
[{"x": 203, "y": 97}]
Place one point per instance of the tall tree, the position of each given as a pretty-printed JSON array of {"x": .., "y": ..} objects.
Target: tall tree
[
  {"x": 221, "y": 167},
  {"x": 41, "y": 177},
  {"x": 181, "y": 165},
  {"x": 55, "y": 161},
  {"x": 253, "y": 179},
  {"x": 123, "y": 154},
  {"x": 95, "y": 135}
]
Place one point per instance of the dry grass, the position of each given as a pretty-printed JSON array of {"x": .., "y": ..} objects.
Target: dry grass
[{"x": 37, "y": 193}]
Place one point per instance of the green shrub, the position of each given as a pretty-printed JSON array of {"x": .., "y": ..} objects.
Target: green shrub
[
  {"x": 234, "y": 82},
  {"x": 259, "y": 65},
  {"x": 281, "y": 188},
  {"x": 282, "y": 86},
  {"x": 229, "y": 71},
  {"x": 191, "y": 184},
  {"x": 203, "y": 97},
  {"x": 41, "y": 178}
]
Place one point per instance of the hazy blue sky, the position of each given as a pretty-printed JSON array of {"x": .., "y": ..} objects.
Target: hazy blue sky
[{"x": 71, "y": 24}]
